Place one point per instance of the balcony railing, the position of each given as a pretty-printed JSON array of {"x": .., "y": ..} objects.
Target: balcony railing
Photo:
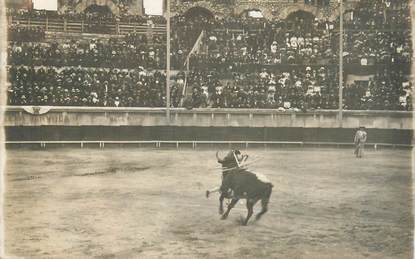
[{"x": 64, "y": 25}]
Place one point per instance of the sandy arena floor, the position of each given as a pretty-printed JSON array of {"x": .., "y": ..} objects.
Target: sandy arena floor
[{"x": 146, "y": 203}]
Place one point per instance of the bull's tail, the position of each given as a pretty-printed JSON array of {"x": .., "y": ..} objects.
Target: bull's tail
[
  {"x": 268, "y": 191},
  {"x": 265, "y": 200}
]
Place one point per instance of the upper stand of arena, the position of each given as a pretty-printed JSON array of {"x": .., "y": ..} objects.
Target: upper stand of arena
[{"x": 238, "y": 73}]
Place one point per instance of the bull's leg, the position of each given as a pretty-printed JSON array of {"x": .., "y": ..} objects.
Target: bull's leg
[
  {"x": 230, "y": 206},
  {"x": 250, "y": 206},
  {"x": 264, "y": 205},
  {"x": 221, "y": 198}
]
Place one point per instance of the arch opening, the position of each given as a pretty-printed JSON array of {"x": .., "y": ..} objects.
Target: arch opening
[
  {"x": 301, "y": 15},
  {"x": 301, "y": 21},
  {"x": 252, "y": 13},
  {"x": 97, "y": 7},
  {"x": 198, "y": 12},
  {"x": 101, "y": 10}
]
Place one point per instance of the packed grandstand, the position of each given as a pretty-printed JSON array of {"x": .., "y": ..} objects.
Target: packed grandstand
[{"x": 235, "y": 61}]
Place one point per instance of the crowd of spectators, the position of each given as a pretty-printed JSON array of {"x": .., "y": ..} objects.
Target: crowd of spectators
[
  {"x": 176, "y": 89},
  {"x": 233, "y": 40},
  {"x": 86, "y": 87},
  {"x": 386, "y": 90},
  {"x": 300, "y": 54},
  {"x": 378, "y": 32},
  {"x": 87, "y": 17},
  {"x": 105, "y": 71},
  {"x": 94, "y": 21},
  {"x": 130, "y": 52},
  {"x": 379, "y": 15},
  {"x": 23, "y": 33},
  {"x": 184, "y": 34},
  {"x": 378, "y": 47},
  {"x": 298, "y": 89}
]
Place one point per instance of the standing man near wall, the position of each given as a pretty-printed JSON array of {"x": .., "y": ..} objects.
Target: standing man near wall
[{"x": 359, "y": 140}]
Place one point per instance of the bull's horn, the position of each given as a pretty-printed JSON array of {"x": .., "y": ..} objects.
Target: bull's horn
[{"x": 217, "y": 156}]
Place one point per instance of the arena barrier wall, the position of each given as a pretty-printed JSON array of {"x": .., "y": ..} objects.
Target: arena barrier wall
[
  {"x": 205, "y": 134},
  {"x": 98, "y": 126},
  {"x": 239, "y": 118}
]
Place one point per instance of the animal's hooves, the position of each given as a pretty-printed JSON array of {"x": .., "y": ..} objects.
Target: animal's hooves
[
  {"x": 244, "y": 223},
  {"x": 223, "y": 217},
  {"x": 220, "y": 211},
  {"x": 207, "y": 194}
]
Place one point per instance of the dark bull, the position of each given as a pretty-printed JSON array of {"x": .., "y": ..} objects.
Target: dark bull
[{"x": 239, "y": 183}]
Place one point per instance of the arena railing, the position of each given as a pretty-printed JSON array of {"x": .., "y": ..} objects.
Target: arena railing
[{"x": 198, "y": 143}]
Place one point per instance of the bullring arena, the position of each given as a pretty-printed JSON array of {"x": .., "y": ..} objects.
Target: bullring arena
[
  {"x": 150, "y": 203},
  {"x": 115, "y": 112}
]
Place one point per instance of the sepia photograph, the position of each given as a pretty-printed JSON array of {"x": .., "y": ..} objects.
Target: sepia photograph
[{"x": 206, "y": 129}]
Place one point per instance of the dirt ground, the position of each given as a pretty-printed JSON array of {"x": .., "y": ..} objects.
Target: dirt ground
[{"x": 147, "y": 203}]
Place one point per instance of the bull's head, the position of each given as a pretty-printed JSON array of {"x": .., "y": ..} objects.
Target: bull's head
[{"x": 232, "y": 159}]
